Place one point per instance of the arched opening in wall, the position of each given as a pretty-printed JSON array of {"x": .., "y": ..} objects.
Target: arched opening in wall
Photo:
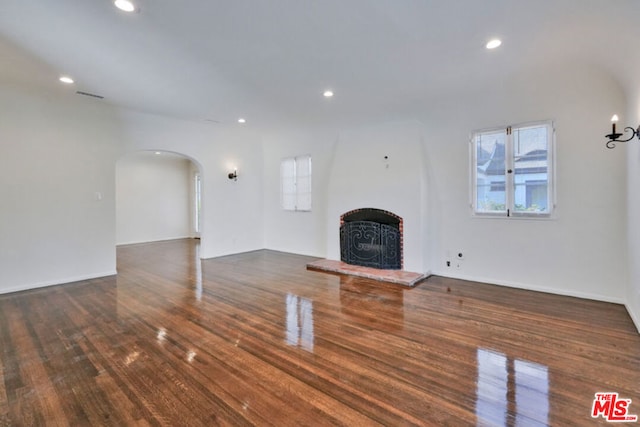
[{"x": 158, "y": 197}]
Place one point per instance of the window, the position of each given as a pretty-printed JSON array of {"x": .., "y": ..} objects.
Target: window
[
  {"x": 295, "y": 183},
  {"x": 512, "y": 170}
]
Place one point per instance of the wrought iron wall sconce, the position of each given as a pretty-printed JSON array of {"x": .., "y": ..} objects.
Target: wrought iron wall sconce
[
  {"x": 233, "y": 175},
  {"x": 614, "y": 136}
]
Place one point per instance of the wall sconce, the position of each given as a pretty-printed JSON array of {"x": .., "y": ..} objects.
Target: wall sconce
[
  {"x": 233, "y": 175},
  {"x": 613, "y": 136}
]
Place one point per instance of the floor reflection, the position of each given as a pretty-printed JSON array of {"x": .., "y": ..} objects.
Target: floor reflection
[
  {"x": 511, "y": 391},
  {"x": 195, "y": 269},
  {"x": 359, "y": 299},
  {"x": 299, "y": 322}
]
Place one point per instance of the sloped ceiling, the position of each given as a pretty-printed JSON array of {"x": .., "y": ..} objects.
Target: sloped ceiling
[{"x": 270, "y": 61}]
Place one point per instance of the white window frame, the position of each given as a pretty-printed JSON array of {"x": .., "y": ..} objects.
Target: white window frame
[
  {"x": 301, "y": 195},
  {"x": 510, "y": 211}
]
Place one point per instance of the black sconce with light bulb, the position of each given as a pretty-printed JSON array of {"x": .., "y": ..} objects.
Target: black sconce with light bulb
[
  {"x": 614, "y": 136},
  {"x": 233, "y": 175}
]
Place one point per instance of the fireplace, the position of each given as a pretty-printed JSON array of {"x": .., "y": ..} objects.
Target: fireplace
[{"x": 371, "y": 238}]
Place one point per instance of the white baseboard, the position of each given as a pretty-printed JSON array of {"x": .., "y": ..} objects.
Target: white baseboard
[
  {"x": 139, "y": 242},
  {"x": 208, "y": 255},
  {"x": 636, "y": 320},
  {"x": 529, "y": 287},
  {"x": 56, "y": 282}
]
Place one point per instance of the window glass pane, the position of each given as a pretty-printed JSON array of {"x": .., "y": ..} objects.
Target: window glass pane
[
  {"x": 287, "y": 168},
  {"x": 287, "y": 184},
  {"x": 303, "y": 183},
  {"x": 289, "y": 202},
  {"x": 304, "y": 202},
  {"x": 490, "y": 171},
  {"x": 304, "y": 193},
  {"x": 303, "y": 166},
  {"x": 531, "y": 169}
]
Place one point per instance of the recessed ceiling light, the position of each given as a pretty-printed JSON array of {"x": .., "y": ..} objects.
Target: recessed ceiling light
[
  {"x": 492, "y": 44},
  {"x": 241, "y": 120},
  {"x": 66, "y": 79},
  {"x": 158, "y": 153},
  {"x": 124, "y": 5},
  {"x": 328, "y": 93}
]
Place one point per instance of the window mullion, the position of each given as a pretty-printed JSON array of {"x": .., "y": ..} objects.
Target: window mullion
[{"x": 509, "y": 172}]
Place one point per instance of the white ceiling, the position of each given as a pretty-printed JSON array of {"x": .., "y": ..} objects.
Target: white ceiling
[{"x": 270, "y": 60}]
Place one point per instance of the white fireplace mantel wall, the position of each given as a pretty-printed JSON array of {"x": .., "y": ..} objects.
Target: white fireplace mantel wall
[{"x": 361, "y": 177}]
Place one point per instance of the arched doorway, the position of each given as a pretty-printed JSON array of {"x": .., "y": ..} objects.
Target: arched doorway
[{"x": 158, "y": 197}]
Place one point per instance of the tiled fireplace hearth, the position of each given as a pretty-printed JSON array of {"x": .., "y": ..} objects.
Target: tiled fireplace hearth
[{"x": 399, "y": 277}]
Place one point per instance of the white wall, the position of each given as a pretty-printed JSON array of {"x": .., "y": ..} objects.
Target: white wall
[
  {"x": 59, "y": 153},
  {"x": 581, "y": 251},
  {"x": 56, "y": 188},
  {"x": 632, "y": 153},
  {"x": 232, "y": 210},
  {"x": 153, "y": 197},
  {"x": 57, "y": 192},
  {"x": 297, "y": 232}
]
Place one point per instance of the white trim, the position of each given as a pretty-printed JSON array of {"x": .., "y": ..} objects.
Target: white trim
[
  {"x": 196, "y": 204},
  {"x": 57, "y": 282},
  {"x": 509, "y": 178},
  {"x": 553, "y": 179},
  {"x": 164, "y": 239},
  {"x": 473, "y": 176},
  {"x": 528, "y": 287},
  {"x": 634, "y": 318},
  {"x": 518, "y": 217}
]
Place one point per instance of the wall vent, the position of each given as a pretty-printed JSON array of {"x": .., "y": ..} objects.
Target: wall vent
[{"x": 93, "y": 95}]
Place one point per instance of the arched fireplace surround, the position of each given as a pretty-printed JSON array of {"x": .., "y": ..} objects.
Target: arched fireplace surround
[{"x": 371, "y": 237}]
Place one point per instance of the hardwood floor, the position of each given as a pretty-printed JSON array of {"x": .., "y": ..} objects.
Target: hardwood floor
[{"x": 256, "y": 339}]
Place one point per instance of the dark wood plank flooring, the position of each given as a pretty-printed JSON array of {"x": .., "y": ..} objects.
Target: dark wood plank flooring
[{"x": 256, "y": 339}]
